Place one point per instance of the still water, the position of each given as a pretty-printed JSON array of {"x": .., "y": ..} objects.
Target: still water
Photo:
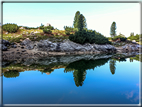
[{"x": 101, "y": 81}]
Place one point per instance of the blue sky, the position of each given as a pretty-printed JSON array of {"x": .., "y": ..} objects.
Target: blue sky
[{"x": 99, "y": 16}]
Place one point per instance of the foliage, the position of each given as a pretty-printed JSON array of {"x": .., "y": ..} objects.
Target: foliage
[
  {"x": 48, "y": 31},
  {"x": 76, "y": 22},
  {"x": 88, "y": 37},
  {"x": 49, "y": 27},
  {"x": 70, "y": 29},
  {"x": 67, "y": 33},
  {"x": 76, "y": 19},
  {"x": 121, "y": 37},
  {"x": 80, "y": 22},
  {"x": 10, "y": 28},
  {"x": 135, "y": 37},
  {"x": 113, "y": 29}
]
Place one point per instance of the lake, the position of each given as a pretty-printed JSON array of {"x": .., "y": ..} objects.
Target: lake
[{"x": 70, "y": 81}]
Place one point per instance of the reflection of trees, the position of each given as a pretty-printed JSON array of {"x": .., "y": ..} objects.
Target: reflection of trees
[
  {"x": 137, "y": 58},
  {"x": 112, "y": 64},
  {"x": 11, "y": 74},
  {"x": 131, "y": 60},
  {"x": 80, "y": 67},
  {"x": 49, "y": 70},
  {"x": 122, "y": 59}
]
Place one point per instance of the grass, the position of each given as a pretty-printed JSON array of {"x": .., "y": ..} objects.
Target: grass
[{"x": 22, "y": 34}]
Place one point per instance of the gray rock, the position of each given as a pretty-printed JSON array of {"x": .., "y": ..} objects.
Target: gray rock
[
  {"x": 14, "y": 46},
  {"x": 3, "y": 47},
  {"x": 5, "y": 42}
]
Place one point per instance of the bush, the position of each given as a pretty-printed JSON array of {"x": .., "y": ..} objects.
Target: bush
[
  {"x": 88, "y": 37},
  {"x": 67, "y": 33},
  {"x": 122, "y": 38},
  {"x": 10, "y": 28},
  {"x": 49, "y": 27},
  {"x": 48, "y": 31},
  {"x": 135, "y": 37}
]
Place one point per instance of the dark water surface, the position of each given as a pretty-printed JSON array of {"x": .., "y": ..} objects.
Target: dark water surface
[{"x": 102, "y": 81}]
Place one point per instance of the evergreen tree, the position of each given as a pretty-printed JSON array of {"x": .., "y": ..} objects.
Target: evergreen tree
[
  {"x": 80, "y": 22},
  {"x": 113, "y": 29},
  {"x": 76, "y": 19}
]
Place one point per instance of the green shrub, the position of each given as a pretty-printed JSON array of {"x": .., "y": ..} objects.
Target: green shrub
[
  {"x": 88, "y": 37},
  {"x": 67, "y": 33},
  {"x": 122, "y": 38},
  {"x": 135, "y": 37},
  {"x": 49, "y": 27},
  {"x": 10, "y": 28},
  {"x": 48, "y": 31}
]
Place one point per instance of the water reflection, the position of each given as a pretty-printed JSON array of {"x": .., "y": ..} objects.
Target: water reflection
[
  {"x": 12, "y": 74},
  {"x": 112, "y": 64},
  {"x": 78, "y": 67}
]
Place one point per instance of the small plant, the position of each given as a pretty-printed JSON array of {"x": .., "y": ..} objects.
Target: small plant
[
  {"x": 10, "y": 28},
  {"x": 67, "y": 33},
  {"x": 48, "y": 31}
]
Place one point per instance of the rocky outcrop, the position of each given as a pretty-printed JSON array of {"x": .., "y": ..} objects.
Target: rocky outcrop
[
  {"x": 104, "y": 48},
  {"x": 131, "y": 47},
  {"x": 66, "y": 46},
  {"x": 4, "y": 44}
]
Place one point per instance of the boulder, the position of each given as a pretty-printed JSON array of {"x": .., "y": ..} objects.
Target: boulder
[
  {"x": 4, "y": 48},
  {"x": 131, "y": 47},
  {"x": 14, "y": 46},
  {"x": 28, "y": 43},
  {"x": 69, "y": 46},
  {"x": 104, "y": 48},
  {"x": 5, "y": 42}
]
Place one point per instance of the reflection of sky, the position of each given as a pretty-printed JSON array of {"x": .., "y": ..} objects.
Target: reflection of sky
[{"x": 100, "y": 86}]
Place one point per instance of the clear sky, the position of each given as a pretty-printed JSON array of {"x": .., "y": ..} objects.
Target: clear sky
[{"x": 99, "y": 16}]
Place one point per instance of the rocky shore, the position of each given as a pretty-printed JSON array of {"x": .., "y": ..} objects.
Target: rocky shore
[{"x": 42, "y": 48}]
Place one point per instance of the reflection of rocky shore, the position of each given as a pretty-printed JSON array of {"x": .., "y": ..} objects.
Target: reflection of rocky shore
[
  {"x": 78, "y": 64},
  {"x": 64, "y": 59}
]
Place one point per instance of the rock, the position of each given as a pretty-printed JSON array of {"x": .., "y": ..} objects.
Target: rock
[
  {"x": 5, "y": 42},
  {"x": 69, "y": 46},
  {"x": 32, "y": 33},
  {"x": 133, "y": 41},
  {"x": 128, "y": 47},
  {"x": 22, "y": 44},
  {"x": 4, "y": 48},
  {"x": 22, "y": 47},
  {"x": 104, "y": 48},
  {"x": 14, "y": 46},
  {"x": 12, "y": 43},
  {"x": 23, "y": 50},
  {"x": 28, "y": 43}
]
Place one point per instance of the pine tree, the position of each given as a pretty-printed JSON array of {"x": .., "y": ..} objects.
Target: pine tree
[
  {"x": 113, "y": 29},
  {"x": 76, "y": 19},
  {"x": 80, "y": 22}
]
